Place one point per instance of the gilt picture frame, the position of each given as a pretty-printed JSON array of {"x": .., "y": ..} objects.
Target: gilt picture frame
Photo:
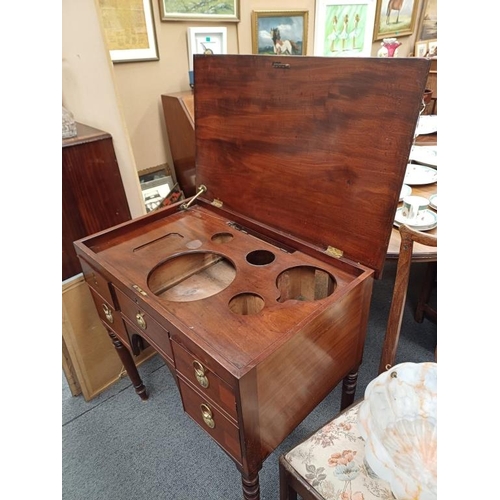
[
  {"x": 395, "y": 18},
  {"x": 344, "y": 28},
  {"x": 194, "y": 10},
  {"x": 280, "y": 32},
  {"x": 427, "y": 29},
  {"x": 129, "y": 31}
]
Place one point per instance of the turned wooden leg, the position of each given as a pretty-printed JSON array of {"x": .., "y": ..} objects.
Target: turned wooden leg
[
  {"x": 349, "y": 389},
  {"x": 251, "y": 487},
  {"x": 129, "y": 365}
]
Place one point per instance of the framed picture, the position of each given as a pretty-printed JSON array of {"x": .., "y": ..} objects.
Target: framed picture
[
  {"x": 421, "y": 49},
  {"x": 427, "y": 29},
  {"x": 344, "y": 28},
  {"x": 279, "y": 32},
  {"x": 206, "y": 41},
  {"x": 196, "y": 10},
  {"x": 129, "y": 30},
  {"x": 432, "y": 48},
  {"x": 395, "y": 18}
]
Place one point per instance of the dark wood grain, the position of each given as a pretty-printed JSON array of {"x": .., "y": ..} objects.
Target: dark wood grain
[
  {"x": 178, "y": 112},
  {"x": 93, "y": 196}
]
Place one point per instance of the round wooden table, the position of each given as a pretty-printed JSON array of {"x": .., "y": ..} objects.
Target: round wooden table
[{"x": 421, "y": 253}]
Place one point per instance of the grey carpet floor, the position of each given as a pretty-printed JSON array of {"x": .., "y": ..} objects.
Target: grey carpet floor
[{"x": 117, "y": 447}]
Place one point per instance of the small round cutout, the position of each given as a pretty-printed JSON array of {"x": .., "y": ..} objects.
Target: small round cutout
[
  {"x": 246, "y": 304},
  {"x": 260, "y": 257}
]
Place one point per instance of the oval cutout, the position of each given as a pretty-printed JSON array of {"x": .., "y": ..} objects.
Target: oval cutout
[
  {"x": 191, "y": 276},
  {"x": 260, "y": 257},
  {"x": 246, "y": 304},
  {"x": 222, "y": 237},
  {"x": 305, "y": 283}
]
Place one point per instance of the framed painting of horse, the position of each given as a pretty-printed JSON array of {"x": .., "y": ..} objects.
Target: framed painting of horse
[
  {"x": 344, "y": 28},
  {"x": 395, "y": 18},
  {"x": 280, "y": 32}
]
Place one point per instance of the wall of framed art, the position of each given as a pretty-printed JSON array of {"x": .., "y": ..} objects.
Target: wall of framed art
[{"x": 140, "y": 81}]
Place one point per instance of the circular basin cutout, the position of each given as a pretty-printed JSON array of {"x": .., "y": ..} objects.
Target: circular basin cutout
[
  {"x": 246, "y": 304},
  {"x": 191, "y": 276},
  {"x": 260, "y": 257},
  {"x": 222, "y": 237},
  {"x": 305, "y": 283}
]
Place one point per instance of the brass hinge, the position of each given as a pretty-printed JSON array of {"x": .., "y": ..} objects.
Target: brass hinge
[
  {"x": 217, "y": 203},
  {"x": 140, "y": 290},
  {"x": 334, "y": 252}
]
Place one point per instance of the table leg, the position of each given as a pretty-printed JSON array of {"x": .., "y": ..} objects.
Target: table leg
[
  {"x": 129, "y": 365},
  {"x": 251, "y": 487},
  {"x": 349, "y": 389}
]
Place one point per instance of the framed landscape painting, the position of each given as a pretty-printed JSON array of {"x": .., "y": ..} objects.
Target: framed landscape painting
[
  {"x": 395, "y": 18},
  {"x": 196, "y": 10},
  {"x": 344, "y": 28},
  {"x": 279, "y": 32}
]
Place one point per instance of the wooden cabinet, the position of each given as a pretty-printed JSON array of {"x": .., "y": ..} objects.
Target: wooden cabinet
[
  {"x": 93, "y": 196},
  {"x": 93, "y": 199},
  {"x": 178, "y": 110}
]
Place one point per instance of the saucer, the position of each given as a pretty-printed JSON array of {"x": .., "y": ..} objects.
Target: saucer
[
  {"x": 424, "y": 154},
  {"x": 419, "y": 174},
  {"x": 433, "y": 201},
  {"x": 428, "y": 222},
  {"x": 405, "y": 191},
  {"x": 427, "y": 124}
]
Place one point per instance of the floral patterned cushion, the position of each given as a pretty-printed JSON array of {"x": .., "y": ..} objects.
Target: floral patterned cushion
[{"x": 332, "y": 462}]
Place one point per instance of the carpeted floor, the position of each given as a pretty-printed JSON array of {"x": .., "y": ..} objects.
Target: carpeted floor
[{"x": 117, "y": 447}]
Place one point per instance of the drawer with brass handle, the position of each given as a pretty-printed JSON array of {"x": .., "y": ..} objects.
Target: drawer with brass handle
[
  {"x": 210, "y": 418},
  {"x": 144, "y": 325},
  {"x": 111, "y": 319},
  {"x": 206, "y": 381}
]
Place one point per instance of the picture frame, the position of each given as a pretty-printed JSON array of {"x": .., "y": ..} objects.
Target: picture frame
[
  {"x": 130, "y": 33},
  {"x": 427, "y": 29},
  {"x": 206, "y": 40},
  {"x": 194, "y": 10},
  {"x": 344, "y": 28},
  {"x": 280, "y": 32},
  {"x": 420, "y": 49},
  {"x": 395, "y": 18},
  {"x": 432, "y": 46}
]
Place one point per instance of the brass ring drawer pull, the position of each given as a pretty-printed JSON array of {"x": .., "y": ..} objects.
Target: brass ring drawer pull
[
  {"x": 108, "y": 313},
  {"x": 199, "y": 372},
  {"x": 206, "y": 414},
  {"x": 139, "y": 317}
]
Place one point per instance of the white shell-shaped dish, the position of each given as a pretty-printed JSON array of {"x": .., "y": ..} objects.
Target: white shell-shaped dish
[{"x": 398, "y": 421}]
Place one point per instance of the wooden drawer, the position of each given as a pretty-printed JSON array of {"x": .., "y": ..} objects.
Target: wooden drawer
[
  {"x": 112, "y": 319},
  {"x": 97, "y": 282},
  {"x": 145, "y": 325},
  {"x": 204, "y": 379},
  {"x": 223, "y": 430}
]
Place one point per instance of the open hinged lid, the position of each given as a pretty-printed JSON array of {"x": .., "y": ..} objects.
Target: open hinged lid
[{"x": 314, "y": 147}]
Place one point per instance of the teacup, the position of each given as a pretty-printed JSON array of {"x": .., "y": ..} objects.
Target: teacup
[{"x": 414, "y": 209}]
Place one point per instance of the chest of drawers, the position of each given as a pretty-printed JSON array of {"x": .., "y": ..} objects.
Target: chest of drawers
[{"x": 256, "y": 291}]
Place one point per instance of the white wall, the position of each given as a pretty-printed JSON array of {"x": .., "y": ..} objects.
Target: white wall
[{"x": 88, "y": 88}]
